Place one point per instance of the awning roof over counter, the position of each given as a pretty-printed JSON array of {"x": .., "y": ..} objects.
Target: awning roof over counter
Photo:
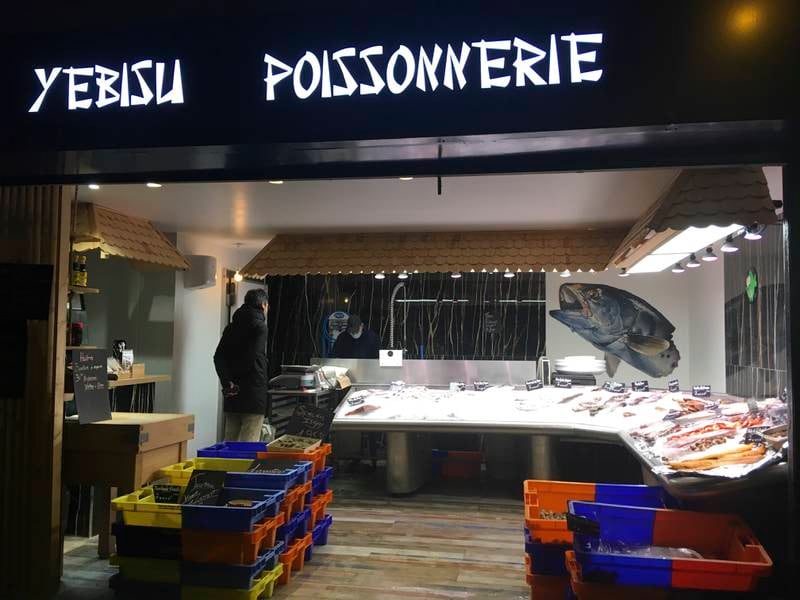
[
  {"x": 121, "y": 235},
  {"x": 435, "y": 252},
  {"x": 699, "y": 198}
]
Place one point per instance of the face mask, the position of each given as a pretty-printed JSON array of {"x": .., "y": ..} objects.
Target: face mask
[{"x": 355, "y": 336}]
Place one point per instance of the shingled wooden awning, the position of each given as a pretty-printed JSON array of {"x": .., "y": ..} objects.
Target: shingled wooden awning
[
  {"x": 435, "y": 252},
  {"x": 699, "y": 198},
  {"x": 117, "y": 234}
]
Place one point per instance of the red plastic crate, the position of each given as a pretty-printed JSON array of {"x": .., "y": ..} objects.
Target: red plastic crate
[
  {"x": 459, "y": 464},
  {"x": 294, "y": 558},
  {"x": 229, "y": 547},
  {"x": 545, "y": 587},
  {"x": 295, "y": 500},
  {"x": 318, "y": 456}
]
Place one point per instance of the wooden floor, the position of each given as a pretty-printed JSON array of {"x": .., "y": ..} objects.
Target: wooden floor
[{"x": 450, "y": 541}]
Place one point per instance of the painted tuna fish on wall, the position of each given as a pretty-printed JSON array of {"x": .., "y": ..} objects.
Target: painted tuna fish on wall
[{"x": 622, "y": 325}]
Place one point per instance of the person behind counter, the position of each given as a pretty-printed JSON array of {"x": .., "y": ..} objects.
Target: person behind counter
[
  {"x": 357, "y": 341},
  {"x": 241, "y": 364}
]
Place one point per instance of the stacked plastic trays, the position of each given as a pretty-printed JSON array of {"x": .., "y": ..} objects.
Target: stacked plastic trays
[
  {"x": 306, "y": 522},
  {"x": 547, "y": 538},
  {"x": 624, "y": 552}
]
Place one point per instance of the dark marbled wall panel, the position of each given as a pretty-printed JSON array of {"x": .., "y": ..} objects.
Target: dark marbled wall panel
[
  {"x": 755, "y": 333},
  {"x": 481, "y": 316}
]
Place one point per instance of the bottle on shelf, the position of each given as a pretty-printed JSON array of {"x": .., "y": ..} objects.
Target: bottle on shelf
[
  {"x": 76, "y": 270},
  {"x": 84, "y": 276}
]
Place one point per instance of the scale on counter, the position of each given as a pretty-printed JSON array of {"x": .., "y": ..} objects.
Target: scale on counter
[{"x": 299, "y": 377}]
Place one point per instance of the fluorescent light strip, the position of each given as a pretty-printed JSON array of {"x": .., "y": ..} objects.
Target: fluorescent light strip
[{"x": 693, "y": 239}]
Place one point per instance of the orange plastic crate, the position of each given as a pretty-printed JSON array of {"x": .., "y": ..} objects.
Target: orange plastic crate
[
  {"x": 319, "y": 506},
  {"x": 608, "y": 591},
  {"x": 318, "y": 456},
  {"x": 294, "y": 558},
  {"x": 545, "y": 587},
  {"x": 295, "y": 500},
  {"x": 230, "y": 547},
  {"x": 552, "y": 495}
]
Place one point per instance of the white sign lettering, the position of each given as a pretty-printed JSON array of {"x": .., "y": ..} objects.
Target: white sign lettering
[
  {"x": 501, "y": 63},
  {"x": 113, "y": 86}
]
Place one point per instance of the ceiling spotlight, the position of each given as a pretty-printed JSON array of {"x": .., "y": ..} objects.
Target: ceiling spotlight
[
  {"x": 455, "y": 275},
  {"x": 728, "y": 245},
  {"x": 678, "y": 268},
  {"x": 405, "y": 178},
  {"x": 402, "y": 275},
  {"x": 276, "y": 181},
  {"x": 692, "y": 264},
  {"x": 565, "y": 273},
  {"x": 623, "y": 272},
  {"x": 709, "y": 256},
  {"x": 94, "y": 186},
  {"x": 508, "y": 274},
  {"x": 380, "y": 275},
  {"x": 753, "y": 232},
  {"x": 237, "y": 277},
  {"x": 346, "y": 300},
  {"x": 152, "y": 184}
]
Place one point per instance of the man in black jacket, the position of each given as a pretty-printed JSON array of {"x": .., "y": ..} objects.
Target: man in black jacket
[
  {"x": 357, "y": 341},
  {"x": 241, "y": 363}
]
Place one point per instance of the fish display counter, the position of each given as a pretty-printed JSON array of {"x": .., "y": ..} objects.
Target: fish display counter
[{"x": 692, "y": 445}]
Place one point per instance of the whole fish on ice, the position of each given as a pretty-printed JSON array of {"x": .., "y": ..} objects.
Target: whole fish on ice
[{"x": 622, "y": 325}]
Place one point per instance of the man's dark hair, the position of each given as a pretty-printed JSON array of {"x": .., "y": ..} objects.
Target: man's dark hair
[{"x": 256, "y": 298}]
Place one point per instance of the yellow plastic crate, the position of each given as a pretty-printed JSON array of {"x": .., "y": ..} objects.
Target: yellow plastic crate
[
  {"x": 180, "y": 473},
  {"x": 150, "y": 570},
  {"x": 263, "y": 588},
  {"x": 140, "y": 508}
]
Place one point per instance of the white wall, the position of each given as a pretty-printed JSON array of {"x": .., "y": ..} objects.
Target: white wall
[
  {"x": 692, "y": 301},
  {"x": 199, "y": 319}
]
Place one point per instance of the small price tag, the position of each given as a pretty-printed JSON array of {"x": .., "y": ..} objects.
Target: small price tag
[
  {"x": 640, "y": 386},
  {"x": 562, "y": 382},
  {"x": 701, "y": 391},
  {"x": 167, "y": 493},
  {"x": 533, "y": 384},
  {"x": 480, "y": 386},
  {"x": 614, "y": 387},
  {"x": 674, "y": 386}
]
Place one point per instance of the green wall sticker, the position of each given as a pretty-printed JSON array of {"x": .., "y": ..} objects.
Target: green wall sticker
[{"x": 751, "y": 285}]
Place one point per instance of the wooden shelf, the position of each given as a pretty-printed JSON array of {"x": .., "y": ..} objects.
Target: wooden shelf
[
  {"x": 82, "y": 347},
  {"x": 78, "y": 289},
  {"x": 130, "y": 381}
]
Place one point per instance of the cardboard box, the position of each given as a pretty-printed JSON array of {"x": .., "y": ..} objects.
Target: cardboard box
[
  {"x": 137, "y": 370},
  {"x": 344, "y": 382}
]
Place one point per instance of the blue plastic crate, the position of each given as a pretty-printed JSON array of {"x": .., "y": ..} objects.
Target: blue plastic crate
[
  {"x": 321, "y": 481},
  {"x": 546, "y": 559},
  {"x": 319, "y": 537},
  {"x": 241, "y": 577},
  {"x": 296, "y": 475},
  {"x": 297, "y": 527},
  {"x": 233, "y": 450},
  {"x": 632, "y": 495},
  {"x": 230, "y": 518}
]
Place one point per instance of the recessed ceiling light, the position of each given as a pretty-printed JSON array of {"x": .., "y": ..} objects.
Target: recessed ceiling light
[
  {"x": 565, "y": 273},
  {"x": 94, "y": 186},
  {"x": 692, "y": 264},
  {"x": 276, "y": 181},
  {"x": 237, "y": 276},
  {"x": 753, "y": 232},
  {"x": 508, "y": 274},
  {"x": 678, "y": 268},
  {"x": 403, "y": 275},
  {"x": 380, "y": 276},
  {"x": 455, "y": 275},
  {"x": 152, "y": 184},
  {"x": 624, "y": 273},
  {"x": 405, "y": 178}
]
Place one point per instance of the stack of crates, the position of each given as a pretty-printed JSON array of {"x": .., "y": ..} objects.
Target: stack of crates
[
  {"x": 224, "y": 552},
  {"x": 626, "y": 552},
  {"x": 547, "y": 538}
]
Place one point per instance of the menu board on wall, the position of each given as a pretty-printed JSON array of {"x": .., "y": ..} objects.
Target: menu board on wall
[{"x": 90, "y": 380}]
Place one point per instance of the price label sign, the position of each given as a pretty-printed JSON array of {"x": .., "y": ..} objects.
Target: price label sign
[
  {"x": 674, "y": 386},
  {"x": 562, "y": 382},
  {"x": 701, "y": 391},
  {"x": 533, "y": 384},
  {"x": 614, "y": 386},
  {"x": 640, "y": 386}
]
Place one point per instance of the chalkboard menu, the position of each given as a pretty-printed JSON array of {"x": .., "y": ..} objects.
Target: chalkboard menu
[
  {"x": 310, "y": 422},
  {"x": 90, "y": 380},
  {"x": 205, "y": 488}
]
